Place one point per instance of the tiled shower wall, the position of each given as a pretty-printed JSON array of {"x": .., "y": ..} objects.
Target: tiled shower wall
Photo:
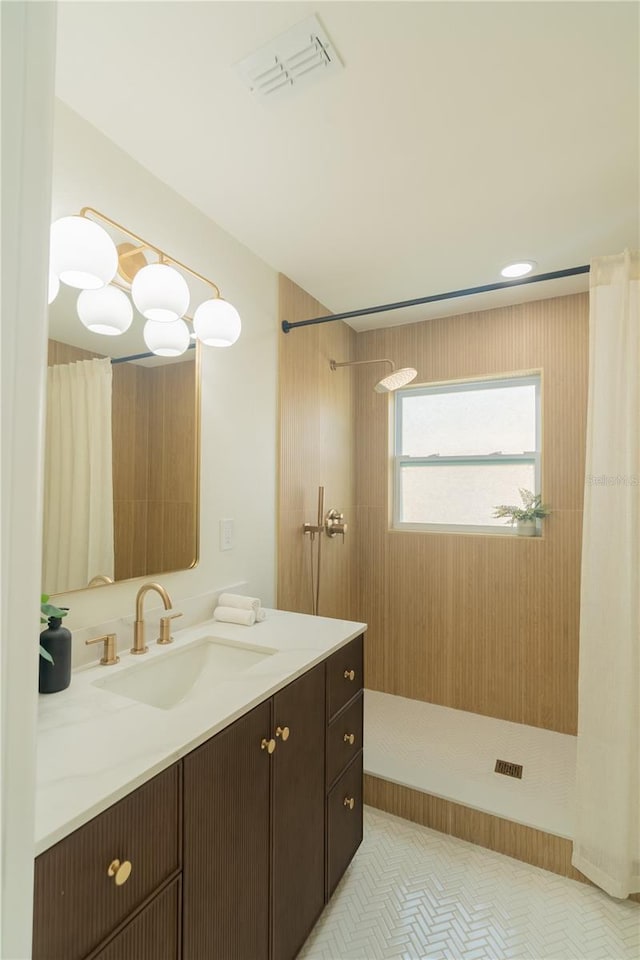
[
  {"x": 316, "y": 448},
  {"x": 479, "y": 623}
]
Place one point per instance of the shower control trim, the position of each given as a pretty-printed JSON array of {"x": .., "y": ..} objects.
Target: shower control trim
[{"x": 334, "y": 524}]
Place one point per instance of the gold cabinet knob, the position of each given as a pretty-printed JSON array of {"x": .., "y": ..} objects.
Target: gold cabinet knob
[
  {"x": 268, "y": 745},
  {"x": 283, "y": 732},
  {"x": 349, "y": 738},
  {"x": 349, "y": 674},
  {"x": 349, "y": 802},
  {"x": 119, "y": 871}
]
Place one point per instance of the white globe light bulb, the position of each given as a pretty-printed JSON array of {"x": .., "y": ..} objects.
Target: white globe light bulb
[
  {"x": 166, "y": 339},
  {"x": 160, "y": 293},
  {"x": 83, "y": 255},
  {"x": 217, "y": 323},
  {"x": 54, "y": 286},
  {"x": 107, "y": 311}
]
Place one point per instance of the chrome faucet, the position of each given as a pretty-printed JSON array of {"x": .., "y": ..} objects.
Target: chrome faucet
[{"x": 139, "y": 645}]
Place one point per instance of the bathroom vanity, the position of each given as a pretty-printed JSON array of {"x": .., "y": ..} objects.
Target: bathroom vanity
[{"x": 232, "y": 850}]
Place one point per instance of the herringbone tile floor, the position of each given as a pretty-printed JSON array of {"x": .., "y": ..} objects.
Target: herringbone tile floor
[{"x": 412, "y": 893}]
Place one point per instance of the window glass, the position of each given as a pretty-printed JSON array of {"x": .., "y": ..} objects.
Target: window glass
[
  {"x": 478, "y": 421},
  {"x": 462, "y": 494}
]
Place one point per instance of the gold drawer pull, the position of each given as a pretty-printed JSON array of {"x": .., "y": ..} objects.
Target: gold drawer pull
[
  {"x": 119, "y": 871},
  {"x": 283, "y": 732},
  {"x": 349, "y": 738},
  {"x": 349, "y": 802},
  {"x": 349, "y": 674},
  {"x": 268, "y": 745}
]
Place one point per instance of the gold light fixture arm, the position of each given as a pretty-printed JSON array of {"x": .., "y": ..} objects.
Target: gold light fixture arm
[{"x": 142, "y": 244}]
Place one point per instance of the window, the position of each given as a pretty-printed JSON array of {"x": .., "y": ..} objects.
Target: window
[{"x": 463, "y": 448}]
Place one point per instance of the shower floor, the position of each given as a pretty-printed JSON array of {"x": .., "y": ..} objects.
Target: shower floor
[{"x": 452, "y": 754}]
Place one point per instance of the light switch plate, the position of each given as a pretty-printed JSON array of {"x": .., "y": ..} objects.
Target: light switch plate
[{"x": 226, "y": 535}]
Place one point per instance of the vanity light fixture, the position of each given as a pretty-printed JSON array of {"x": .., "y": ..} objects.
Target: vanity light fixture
[
  {"x": 85, "y": 255},
  {"x": 518, "y": 269},
  {"x": 107, "y": 311},
  {"x": 160, "y": 293},
  {"x": 217, "y": 323},
  {"x": 166, "y": 339}
]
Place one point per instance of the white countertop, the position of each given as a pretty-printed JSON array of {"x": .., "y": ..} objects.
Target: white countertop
[{"x": 94, "y": 746}]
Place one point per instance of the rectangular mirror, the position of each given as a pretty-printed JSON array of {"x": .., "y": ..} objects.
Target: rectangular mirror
[{"x": 122, "y": 456}]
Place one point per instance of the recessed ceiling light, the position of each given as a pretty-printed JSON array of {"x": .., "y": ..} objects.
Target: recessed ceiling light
[{"x": 519, "y": 269}]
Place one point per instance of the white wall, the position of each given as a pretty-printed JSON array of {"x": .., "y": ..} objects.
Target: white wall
[
  {"x": 238, "y": 467},
  {"x": 28, "y": 57}
]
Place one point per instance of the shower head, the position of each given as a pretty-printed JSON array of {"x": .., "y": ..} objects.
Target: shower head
[
  {"x": 395, "y": 380},
  {"x": 392, "y": 381}
]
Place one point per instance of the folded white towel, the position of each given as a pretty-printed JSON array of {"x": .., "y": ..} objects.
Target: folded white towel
[
  {"x": 261, "y": 614},
  {"x": 238, "y": 601},
  {"x": 234, "y": 615}
]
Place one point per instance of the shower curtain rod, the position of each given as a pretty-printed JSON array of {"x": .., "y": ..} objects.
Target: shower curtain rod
[{"x": 501, "y": 285}]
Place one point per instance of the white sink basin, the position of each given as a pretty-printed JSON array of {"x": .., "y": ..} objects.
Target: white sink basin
[{"x": 175, "y": 676}]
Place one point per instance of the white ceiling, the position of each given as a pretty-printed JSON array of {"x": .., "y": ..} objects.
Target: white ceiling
[{"x": 458, "y": 137}]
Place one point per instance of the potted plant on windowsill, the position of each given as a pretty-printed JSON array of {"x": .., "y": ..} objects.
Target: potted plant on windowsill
[
  {"x": 55, "y": 649},
  {"x": 527, "y": 516}
]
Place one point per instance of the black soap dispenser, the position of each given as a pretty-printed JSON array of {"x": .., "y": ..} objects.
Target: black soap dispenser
[{"x": 56, "y": 640}]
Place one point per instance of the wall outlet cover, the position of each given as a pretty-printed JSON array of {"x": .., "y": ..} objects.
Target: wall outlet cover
[{"x": 226, "y": 535}]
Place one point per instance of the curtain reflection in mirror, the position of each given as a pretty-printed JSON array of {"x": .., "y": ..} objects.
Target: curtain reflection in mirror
[{"x": 78, "y": 502}]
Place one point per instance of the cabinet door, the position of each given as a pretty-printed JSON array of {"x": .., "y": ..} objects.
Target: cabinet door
[
  {"x": 344, "y": 822},
  {"x": 298, "y": 812},
  {"x": 153, "y": 934},
  {"x": 226, "y": 843}
]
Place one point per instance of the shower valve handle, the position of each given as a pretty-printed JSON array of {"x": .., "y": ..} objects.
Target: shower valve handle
[{"x": 334, "y": 524}]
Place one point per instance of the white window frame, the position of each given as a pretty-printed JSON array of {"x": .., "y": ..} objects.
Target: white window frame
[{"x": 399, "y": 461}]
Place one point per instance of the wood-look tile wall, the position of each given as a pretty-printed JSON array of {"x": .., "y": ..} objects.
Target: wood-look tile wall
[
  {"x": 130, "y": 428},
  {"x": 316, "y": 447},
  {"x": 480, "y": 623},
  {"x": 64, "y": 353},
  {"x": 154, "y": 467},
  {"x": 173, "y": 511}
]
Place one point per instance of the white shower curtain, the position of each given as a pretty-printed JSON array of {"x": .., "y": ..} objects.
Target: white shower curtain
[
  {"x": 78, "y": 500},
  {"x": 607, "y": 829}
]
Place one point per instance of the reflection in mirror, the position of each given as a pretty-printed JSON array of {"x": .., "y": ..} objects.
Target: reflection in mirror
[{"x": 121, "y": 457}]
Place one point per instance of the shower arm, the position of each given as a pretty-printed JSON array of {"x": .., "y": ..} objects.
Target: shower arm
[{"x": 354, "y": 363}]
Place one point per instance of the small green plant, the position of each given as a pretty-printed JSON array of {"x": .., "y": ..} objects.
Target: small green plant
[
  {"x": 532, "y": 508},
  {"x": 48, "y": 610}
]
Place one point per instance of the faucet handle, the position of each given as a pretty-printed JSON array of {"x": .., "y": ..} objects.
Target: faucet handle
[
  {"x": 109, "y": 655},
  {"x": 165, "y": 628}
]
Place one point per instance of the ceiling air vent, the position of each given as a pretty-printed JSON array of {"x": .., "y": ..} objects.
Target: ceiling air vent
[{"x": 301, "y": 55}]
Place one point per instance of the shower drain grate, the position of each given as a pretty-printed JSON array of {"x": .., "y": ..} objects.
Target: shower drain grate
[{"x": 509, "y": 769}]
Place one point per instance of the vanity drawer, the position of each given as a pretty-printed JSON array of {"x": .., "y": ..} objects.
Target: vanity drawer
[
  {"x": 77, "y": 904},
  {"x": 344, "y": 822},
  {"x": 344, "y": 676},
  {"x": 154, "y": 934},
  {"x": 344, "y": 739}
]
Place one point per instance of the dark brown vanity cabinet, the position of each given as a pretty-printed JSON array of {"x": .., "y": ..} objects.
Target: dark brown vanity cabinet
[
  {"x": 229, "y": 854},
  {"x": 88, "y": 886},
  {"x": 254, "y": 830},
  {"x": 344, "y": 710}
]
